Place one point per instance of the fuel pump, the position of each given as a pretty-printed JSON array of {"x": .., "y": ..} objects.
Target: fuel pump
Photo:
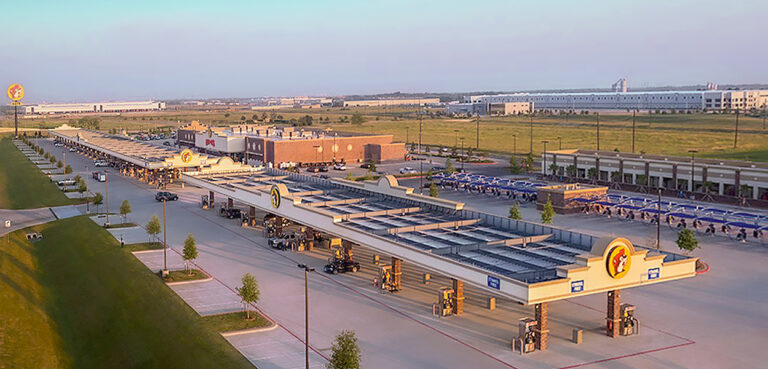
[
  {"x": 445, "y": 300},
  {"x": 385, "y": 279},
  {"x": 204, "y": 201},
  {"x": 526, "y": 337},
  {"x": 628, "y": 324}
]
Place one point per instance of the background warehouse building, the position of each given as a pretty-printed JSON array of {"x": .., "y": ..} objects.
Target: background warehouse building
[
  {"x": 709, "y": 100},
  {"x": 97, "y": 107}
]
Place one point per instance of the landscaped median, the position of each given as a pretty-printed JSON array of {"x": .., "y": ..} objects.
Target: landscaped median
[{"x": 76, "y": 299}]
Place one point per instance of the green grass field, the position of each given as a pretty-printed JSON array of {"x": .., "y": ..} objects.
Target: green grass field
[
  {"x": 669, "y": 134},
  {"x": 23, "y": 185},
  {"x": 235, "y": 321},
  {"x": 77, "y": 300}
]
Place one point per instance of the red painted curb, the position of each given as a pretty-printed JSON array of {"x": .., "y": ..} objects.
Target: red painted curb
[{"x": 705, "y": 270}]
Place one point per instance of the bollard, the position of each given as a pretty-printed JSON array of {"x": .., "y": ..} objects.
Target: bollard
[
  {"x": 427, "y": 278},
  {"x": 577, "y": 336},
  {"x": 491, "y": 303},
  {"x": 376, "y": 259}
]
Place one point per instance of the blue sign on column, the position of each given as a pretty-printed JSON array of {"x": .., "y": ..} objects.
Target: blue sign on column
[
  {"x": 654, "y": 273},
  {"x": 577, "y": 286},
  {"x": 494, "y": 283}
]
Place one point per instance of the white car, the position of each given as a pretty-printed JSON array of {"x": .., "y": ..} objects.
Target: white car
[
  {"x": 340, "y": 166},
  {"x": 66, "y": 182},
  {"x": 72, "y": 149},
  {"x": 408, "y": 170},
  {"x": 101, "y": 163},
  {"x": 58, "y": 144}
]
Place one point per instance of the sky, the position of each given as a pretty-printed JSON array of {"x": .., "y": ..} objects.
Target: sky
[{"x": 78, "y": 50}]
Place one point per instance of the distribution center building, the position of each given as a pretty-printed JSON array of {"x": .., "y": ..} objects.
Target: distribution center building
[{"x": 97, "y": 107}]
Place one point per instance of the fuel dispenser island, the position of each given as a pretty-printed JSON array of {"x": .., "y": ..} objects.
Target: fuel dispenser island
[
  {"x": 526, "y": 339},
  {"x": 446, "y": 298},
  {"x": 204, "y": 202},
  {"x": 628, "y": 324}
]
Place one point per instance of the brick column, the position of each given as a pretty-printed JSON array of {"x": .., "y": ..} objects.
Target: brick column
[
  {"x": 230, "y": 203},
  {"x": 612, "y": 318},
  {"x": 252, "y": 215},
  {"x": 397, "y": 271},
  {"x": 211, "y": 203},
  {"x": 621, "y": 170},
  {"x": 458, "y": 303},
  {"x": 737, "y": 181},
  {"x": 541, "y": 333},
  {"x": 674, "y": 176}
]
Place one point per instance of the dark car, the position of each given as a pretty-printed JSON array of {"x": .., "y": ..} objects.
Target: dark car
[
  {"x": 167, "y": 196},
  {"x": 323, "y": 169},
  {"x": 231, "y": 213},
  {"x": 342, "y": 266},
  {"x": 365, "y": 165},
  {"x": 313, "y": 169}
]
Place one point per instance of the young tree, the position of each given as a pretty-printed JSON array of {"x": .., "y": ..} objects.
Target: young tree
[
  {"x": 68, "y": 169},
  {"x": 52, "y": 159},
  {"x": 81, "y": 188},
  {"x": 190, "y": 251},
  {"x": 514, "y": 167},
  {"x": 433, "y": 190},
  {"x": 153, "y": 227},
  {"x": 548, "y": 212},
  {"x": 47, "y": 155},
  {"x": 59, "y": 164},
  {"x": 372, "y": 167},
  {"x": 248, "y": 292},
  {"x": 529, "y": 162},
  {"x": 78, "y": 179},
  {"x": 125, "y": 209},
  {"x": 686, "y": 241},
  {"x": 346, "y": 353},
  {"x": 449, "y": 166},
  {"x": 98, "y": 199},
  {"x": 514, "y": 212}
]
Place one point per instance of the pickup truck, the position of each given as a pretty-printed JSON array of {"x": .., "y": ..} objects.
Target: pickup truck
[
  {"x": 100, "y": 176},
  {"x": 66, "y": 182}
]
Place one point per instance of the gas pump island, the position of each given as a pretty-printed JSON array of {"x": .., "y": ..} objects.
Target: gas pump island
[{"x": 529, "y": 263}]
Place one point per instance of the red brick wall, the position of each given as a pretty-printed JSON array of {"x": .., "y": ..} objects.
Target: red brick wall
[{"x": 350, "y": 149}]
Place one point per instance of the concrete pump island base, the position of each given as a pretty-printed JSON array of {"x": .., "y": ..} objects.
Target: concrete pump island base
[{"x": 524, "y": 262}]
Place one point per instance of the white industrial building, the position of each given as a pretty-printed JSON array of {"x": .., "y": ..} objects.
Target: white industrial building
[
  {"x": 97, "y": 107},
  {"x": 650, "y": 100}
]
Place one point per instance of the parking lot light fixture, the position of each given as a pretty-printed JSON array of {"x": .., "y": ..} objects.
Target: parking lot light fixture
[{"x": 307, "y": 269}]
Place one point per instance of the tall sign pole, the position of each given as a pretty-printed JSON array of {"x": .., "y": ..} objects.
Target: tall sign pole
[{"x": 15, "y": 93}]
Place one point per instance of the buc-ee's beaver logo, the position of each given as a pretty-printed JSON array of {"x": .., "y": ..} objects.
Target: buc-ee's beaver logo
[
  {"x": 275, "y": 197},
  {"x": 186, "y": 156},
  {"x": 618, "y": 261}
]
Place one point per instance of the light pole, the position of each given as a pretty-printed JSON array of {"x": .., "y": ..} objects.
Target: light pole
[
  {"x": 531, "y": 149},
  {"x": 544, "y": 157},
  {"x": 334, "y": 146},
  {"x": 87, "y": 209},
  {"x": 461, "y": 156},
  {"x": 514, "y": 147},
  {"x": 693, "y": 186},
  {"x": 633, "y": 131},
  {"x": 165, "y": 245},
  {"x": 420, "y": 124},
  {"x": 407, "y": 132},
  {"x": 306, "y": 311},
  {"x": 559, "y": 143},
  {"x": 598, "y": 131},
  {"x": 106, "y": 183},
  {"x": 658, "y": 222},
  {"x": 477, "y": 143},
  {"x": 736, "y": 130},
  {"x": 456, "y": 142}
]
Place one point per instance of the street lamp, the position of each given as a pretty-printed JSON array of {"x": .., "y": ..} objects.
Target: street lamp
[
  {"x": 87, "y": 209},
  {"x": 461, "y": 156},
  {"x": 165, "y": 245},
  {"x": 456, "y": 143},
  {"x": 514, "y": 147},
  {"x": 598, "y": 131},
  {"x": 531, "y": 150},
  {"x": 544, "y": 157},
  {"x": 633, "y": 130},
  {"x": 693, "y": 187},
  {"x": 559, "y": 143},
  {"x": 658, "y": 221},
  {"x": 106, "y": 181},
  {"x": 306, "y": 310}
]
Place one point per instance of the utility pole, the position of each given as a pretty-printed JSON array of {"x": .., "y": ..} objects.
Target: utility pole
[
  {"x": 633, "y": 130},
  {"x": 736, "y": 130},
  {"x": 461, "y": 156},
  {"x": 456, "y": 142},
  {"x": 407, "y": 131},
  {"x": 598, "y": 131},
  {"x": 544, "y": 157},
  {"x": 16, "y": 119},
  {"x": 514, "y": 147},
  {"x": 420, "y": 126},
  {"x": 559, "y": 143},
  {"x": 306, "y": 311}
]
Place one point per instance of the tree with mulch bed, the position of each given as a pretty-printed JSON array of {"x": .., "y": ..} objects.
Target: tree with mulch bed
[
  {"x": 248, "y": 292},
  {"x": 346, "y": 352},
  {"x": 153, "y": 227},
  {"x": 125, "y": 209},
  {"x": 190, "y": 251}
]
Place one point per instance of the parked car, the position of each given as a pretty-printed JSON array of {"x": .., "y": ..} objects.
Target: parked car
[
  {"x": 100, "y": 176},
  {"x": 365, "y": 165},
  {"x": 58, "y": 144},
  {"x": 66, "y": 182},
  {"x": 323, "y": 168},
  {"x": 166, "y": 143},
  {"x": 167, "y": 196},
  {"x": 101, "y": 163},
  {"x": 408, "y": 170},
  {"x": 313, "y": 169},
  {"x": 72, "y": 149},
  {"x": 340, "y": 166},
  {"x": 342, "y": 266},
  {"x": 231, "y": 213}
]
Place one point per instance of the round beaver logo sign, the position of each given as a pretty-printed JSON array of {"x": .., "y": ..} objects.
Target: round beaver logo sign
[
  {"x": 15, "y": 92},
  {"x": 618, "y": 261},
  {"x": 186, "y": 155},
  {"x": 275, "y": 197}
]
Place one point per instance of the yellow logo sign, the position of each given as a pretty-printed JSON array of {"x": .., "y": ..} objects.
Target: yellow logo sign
[
  {"x": 186, "y": 155},
  {"x": 15, "y": 92},
  {"x": 618, "y": 261},
  {"x": 275, "y": 197}
]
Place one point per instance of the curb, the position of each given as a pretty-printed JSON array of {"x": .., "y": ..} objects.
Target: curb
[
  {"x": 703, "y": 271},
  {"x": 206, "y": 279},
  {"x": 273, "y": 326},
  {"x": 146, "y": 251}
]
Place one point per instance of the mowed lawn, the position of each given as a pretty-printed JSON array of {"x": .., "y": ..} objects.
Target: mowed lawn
[
  {"x": 77, "y": 300},
  {"x": 23, "y": 185}
]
